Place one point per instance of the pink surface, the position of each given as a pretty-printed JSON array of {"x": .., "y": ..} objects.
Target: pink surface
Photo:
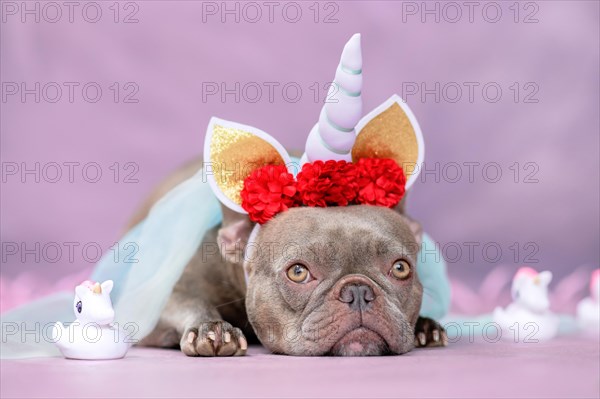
[{"x": 565, "y": 367}]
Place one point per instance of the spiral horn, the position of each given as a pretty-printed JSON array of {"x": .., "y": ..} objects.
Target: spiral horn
[{"x": 334, "y": 135}]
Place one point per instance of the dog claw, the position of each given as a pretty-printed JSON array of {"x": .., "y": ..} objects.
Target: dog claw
[
  {"x": 211, "y": 336},
  {"x": 422, "y": 339},
  {"x": 243, "y": 343},
  {"x": 436, "y": 335},
  {"x": 191, "y": 337},
  {"x": 227, "y": 337}
]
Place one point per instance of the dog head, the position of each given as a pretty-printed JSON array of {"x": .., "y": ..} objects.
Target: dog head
[{"x": 337, "y": 281}]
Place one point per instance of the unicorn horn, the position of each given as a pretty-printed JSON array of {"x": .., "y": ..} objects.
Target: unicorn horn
[
  {"x": 97, "y": 289},
  {"x": 333, "y": 136}
]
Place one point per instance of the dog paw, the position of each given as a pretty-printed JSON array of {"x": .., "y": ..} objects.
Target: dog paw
[
  {"x": 214, "y": 338},
  {"x": 429, "y": 333}
]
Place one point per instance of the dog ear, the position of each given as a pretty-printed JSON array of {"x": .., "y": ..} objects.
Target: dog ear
[
  {"x": 416, "y": 229},
  {"x": 232, "y": 151},
  {"x": 232, "y": 237},
  {"x": 391, "y": 131},
  {"x": 415, "y": 226}
]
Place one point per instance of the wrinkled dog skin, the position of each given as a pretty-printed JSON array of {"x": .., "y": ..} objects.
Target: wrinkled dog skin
[{"x": 349, "y": 303}]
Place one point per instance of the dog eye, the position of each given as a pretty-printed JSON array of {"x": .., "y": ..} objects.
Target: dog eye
[
  {"x": 298, "y": 274},
  {"x": 79, "y": 307},
  {"x": 400, "y": 270}
]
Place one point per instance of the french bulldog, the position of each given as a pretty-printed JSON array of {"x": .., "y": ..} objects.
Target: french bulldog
[{"x": 320, "y": 281}]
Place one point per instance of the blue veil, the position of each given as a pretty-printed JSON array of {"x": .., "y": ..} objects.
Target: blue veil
[{"x": 167, "y": 239}]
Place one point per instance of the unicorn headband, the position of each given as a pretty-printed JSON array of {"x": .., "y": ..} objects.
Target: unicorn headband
[{"x": 347, "y": 160}]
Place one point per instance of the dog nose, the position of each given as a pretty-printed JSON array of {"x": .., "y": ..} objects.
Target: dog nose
[{"x": 357, "y": 296}]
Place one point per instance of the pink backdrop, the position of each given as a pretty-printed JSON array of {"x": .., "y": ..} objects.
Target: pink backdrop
[{"x": 156, "y": 77}]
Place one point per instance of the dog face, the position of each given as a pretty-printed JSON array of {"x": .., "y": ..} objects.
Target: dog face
[{"x": 339, "y": 281}]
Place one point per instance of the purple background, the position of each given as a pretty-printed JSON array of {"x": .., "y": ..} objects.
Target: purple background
[{"x": 171, "y": 53}]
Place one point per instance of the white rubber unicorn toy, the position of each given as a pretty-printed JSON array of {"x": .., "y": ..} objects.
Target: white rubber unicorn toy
[
  {"x": 92, "y": 335},
  {"x": 528, "y": 318},
  {"x": 588, "y": 310}
]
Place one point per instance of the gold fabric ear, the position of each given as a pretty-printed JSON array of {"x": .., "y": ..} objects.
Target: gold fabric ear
[
  {"x": 232, "y": 152},
  {"x": 391, "y": 131}
]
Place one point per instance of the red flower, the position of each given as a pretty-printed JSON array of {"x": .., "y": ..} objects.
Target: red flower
[
  {"x": 268, "y": 191},
  {"x": 380, "y": 181},
  {"x": 327, "y": 183}
]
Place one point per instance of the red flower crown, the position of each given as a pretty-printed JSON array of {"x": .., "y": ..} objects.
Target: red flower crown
[{"x": 372, "y": 181}]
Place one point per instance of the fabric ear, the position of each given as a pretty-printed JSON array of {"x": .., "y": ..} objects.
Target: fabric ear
[
  {"x": 232, "y": 151},
  {"x": 391, "y": 131}
]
